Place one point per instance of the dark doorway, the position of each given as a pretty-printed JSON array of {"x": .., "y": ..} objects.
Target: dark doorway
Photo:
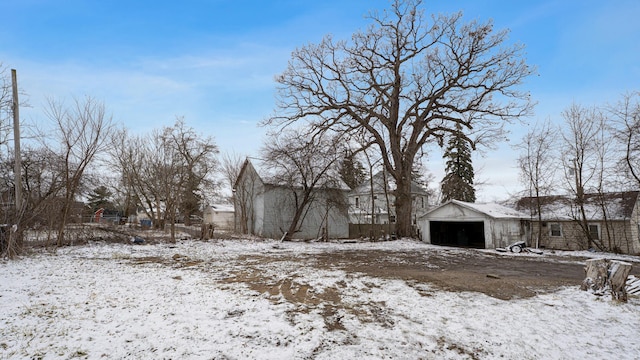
[{"x": 462, "y": 234}]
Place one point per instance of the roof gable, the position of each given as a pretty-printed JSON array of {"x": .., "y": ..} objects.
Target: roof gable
[
  {"x": 268, "y": 176},
  {"x": 247, "y": 167}
]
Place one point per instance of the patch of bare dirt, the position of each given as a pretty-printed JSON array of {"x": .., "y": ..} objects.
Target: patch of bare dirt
[
  {"x": 302, "y": 295},
  {"x": 502, "y": 277}
]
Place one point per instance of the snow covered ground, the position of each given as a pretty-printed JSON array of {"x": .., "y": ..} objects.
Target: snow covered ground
[{"x": 118, "y": 301}]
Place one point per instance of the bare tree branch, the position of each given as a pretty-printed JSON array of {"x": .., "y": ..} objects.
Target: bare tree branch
[{"x": 406, "y": 81}]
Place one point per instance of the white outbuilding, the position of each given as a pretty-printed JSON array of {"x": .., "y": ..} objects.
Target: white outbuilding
[
  {"x": 219, "y": 215},
  {"x": 475, "y": 225}
]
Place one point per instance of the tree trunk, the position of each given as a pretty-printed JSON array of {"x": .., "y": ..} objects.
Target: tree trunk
[
  {"x": 403, "y": 207},
  {"x": 297, "y": 216},
  {"x": 172, "y": 229},
  {"x": 63, "y": 221},
  {"x": 539, "y": 211}
]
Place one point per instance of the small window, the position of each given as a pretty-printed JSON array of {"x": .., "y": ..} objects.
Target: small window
[
  {"x": 357, "y": 203},
  {"x": 594, "y": 230},
  {"x": 422, "y": 202},
  {"x": 392, "y": 219},
  {"x": 555, "y": 230}
]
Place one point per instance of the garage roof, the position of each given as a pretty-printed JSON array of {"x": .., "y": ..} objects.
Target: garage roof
[{"x": 493, "y": 210}]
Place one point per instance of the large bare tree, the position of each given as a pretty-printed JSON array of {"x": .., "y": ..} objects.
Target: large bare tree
[
  {"x": 166, "y": 170},
  {"x": 406, "y": 81},
  {"x": 198, "y": 161},
  {"x": 82, "y": 131},
  {"x": 580, "y": 160}
]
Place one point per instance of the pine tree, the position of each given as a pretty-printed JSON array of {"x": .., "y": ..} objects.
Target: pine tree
[
  {"x": 458, "y": 181},
  {"x": 100, "y": 197},
  {"x": 352, "y": 171}
]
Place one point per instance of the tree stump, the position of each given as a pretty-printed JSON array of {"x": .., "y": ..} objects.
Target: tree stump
[
  {"x": 206, "y": 231},
  {"x": 603, "y": 275},
  {"x": 618, "y": 273},
  {"x": 596, "y": 276}
]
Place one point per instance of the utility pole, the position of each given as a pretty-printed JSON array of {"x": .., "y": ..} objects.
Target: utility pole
[{"x": 16, "y": 140}]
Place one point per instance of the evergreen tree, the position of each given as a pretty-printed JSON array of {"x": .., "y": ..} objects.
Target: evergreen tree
[
  {"x": 352, "y": 171},
  {"x": 458, "y": 181},
  {"x": 100, "y": 197}
]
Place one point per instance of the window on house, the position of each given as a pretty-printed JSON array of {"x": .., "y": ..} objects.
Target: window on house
[
  {"x": 555, "y": 230},
  {"x": 422, "y": 202},
  {"x": 357, "y": 203},
  {"x": 594, "y": 230},
  {"x": 392, "y": 219}
]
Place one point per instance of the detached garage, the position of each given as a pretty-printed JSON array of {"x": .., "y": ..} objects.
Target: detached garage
[{"x": 482, "y": 226}]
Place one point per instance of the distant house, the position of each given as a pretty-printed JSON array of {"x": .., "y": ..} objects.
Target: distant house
[
  {"x": 221, "y": 216},
  {"x": 373, "y": 201},
  {"x": 265, "y": 208},
  {"x": 483, "y": 226},
  {"x": 612, "y": 220}
]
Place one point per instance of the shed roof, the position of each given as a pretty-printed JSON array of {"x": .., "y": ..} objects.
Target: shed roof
[
  {"x": 493, "y": 210},
  {"x": 222, "y": 207}
]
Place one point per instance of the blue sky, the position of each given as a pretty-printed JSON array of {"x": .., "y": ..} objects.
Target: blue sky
[{"x": 214, "y": 61}]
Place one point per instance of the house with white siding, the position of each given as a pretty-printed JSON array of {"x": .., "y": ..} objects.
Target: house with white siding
[
  {"x": 265, "y": 208},
  {"x": 372, "y": 202}
]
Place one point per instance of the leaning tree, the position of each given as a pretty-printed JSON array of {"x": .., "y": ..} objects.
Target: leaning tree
[{"x": 406, "y": 81}]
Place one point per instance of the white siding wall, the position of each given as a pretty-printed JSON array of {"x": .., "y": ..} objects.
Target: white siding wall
[
  {"x": 279, "y": 213},
  {"x": 635, "y": 229}
]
